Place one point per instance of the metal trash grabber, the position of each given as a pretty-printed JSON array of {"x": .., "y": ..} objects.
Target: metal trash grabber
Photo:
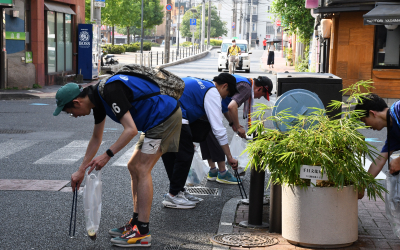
[
  {"x": 240, "y": 184},
  {"x": 74, "y": 204}
]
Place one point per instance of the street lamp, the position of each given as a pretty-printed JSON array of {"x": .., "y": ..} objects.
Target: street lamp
[{"x": 193, "y": 11}]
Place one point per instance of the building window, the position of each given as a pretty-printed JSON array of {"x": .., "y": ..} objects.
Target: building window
[
  {"x": 254, "y": 27},
  {"x": 254, "y": 12},
  {"x": 59, "y": 42},
  {"x": 270, "y": 29},
  {"x": 387, "y": 47}
]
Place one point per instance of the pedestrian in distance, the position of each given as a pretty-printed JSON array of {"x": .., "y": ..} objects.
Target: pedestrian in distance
[
  {"x": 378, "y": 115},
  {"x": 248, "y": 90},
  {"x": 257, "y": 43},
  {"x": 200, "y": 97},
  {"x": 233, "y": 55},
  {"x": 265, "y": 43},
  {"x": 137, "y": 105},
  {"x": 271, "y": 55}
]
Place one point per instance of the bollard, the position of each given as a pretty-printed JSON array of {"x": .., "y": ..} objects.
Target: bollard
[
  {"x": 157, "y": 59},
  {"x": 151, "y": 58},
  {"x": 162, "y": 57},
  {"x": 135, "y": 58},
  {"x": 256, "y": 200},
  {"x": 275, "y": 209},
  {"x": 148, "y": 60}
]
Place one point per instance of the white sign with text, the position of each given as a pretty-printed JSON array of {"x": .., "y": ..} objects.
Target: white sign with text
[{"x": 313, "y": 173}]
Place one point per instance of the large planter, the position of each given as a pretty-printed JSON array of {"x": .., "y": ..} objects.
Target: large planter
[{"x": 319, "y": 217}]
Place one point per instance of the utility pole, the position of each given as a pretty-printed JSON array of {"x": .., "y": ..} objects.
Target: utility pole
[
  {"x": 177, "y": 31},
  {"x": 209, "y": 23},
  {"x": 251, "y": 25},
  {"x": 96, "y": 16},
  {"x": 234, "y": 19},
  {"x": 203, "y": 24},
  {"x": 167, "y": 34},
  {"x": 141, "y": 35},
  {"x": 241, "y": 19}
]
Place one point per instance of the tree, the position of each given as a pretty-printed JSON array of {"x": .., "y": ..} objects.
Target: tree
[
  {"x": 112, "y": 14},
  {"x": 218, "y": 27},
  {"x": 134, "y": 31},
  {"x": 295, "y": 17}
]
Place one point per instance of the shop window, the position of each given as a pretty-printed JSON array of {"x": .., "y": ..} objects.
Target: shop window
[
  {"x": 59, "y": 42},
  {"x": 387, "y": 47}
]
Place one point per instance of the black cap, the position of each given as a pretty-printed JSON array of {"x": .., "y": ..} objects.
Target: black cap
[
  {"x": 265, "y": 82},
  {"x": 230, "y": 80}
]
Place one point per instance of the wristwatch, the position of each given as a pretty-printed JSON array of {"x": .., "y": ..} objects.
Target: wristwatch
[
  {"x": 230, "y": 124},
  {"x": 109, "y": 153}
]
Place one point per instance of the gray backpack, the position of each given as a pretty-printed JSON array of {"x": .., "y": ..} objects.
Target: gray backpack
[{"x": 169, "y": 83}]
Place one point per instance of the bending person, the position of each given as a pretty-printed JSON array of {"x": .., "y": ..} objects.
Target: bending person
[{"x": 199, "y": 98}]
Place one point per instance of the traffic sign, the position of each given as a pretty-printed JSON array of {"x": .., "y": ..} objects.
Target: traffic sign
[
  {"x": 278, "y": 22},
  {"x": 168, "y": 7},
  {"x": 193, "y": 22},
  {"x": 99, "y": 3},
  {"x": 192, "y": 28}
]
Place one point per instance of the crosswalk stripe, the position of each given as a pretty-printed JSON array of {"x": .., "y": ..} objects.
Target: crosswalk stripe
[
  {"x": 10, "y": 147},
  {"x": 123, "y": 160},
  {"x": 68, "y": 154}
]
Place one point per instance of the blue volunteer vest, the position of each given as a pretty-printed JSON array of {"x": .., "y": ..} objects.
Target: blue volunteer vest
[
  {"x": 227, "y": 100},
  {"x": 192, "y": 99},
  {"x": 149, "y": 107}
]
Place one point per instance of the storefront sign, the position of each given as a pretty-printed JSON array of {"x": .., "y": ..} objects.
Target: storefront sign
[
  {"x": 6, "y": 2},
  {"x": 12, "y": 35},
  {"x": 28, "y": 57},
  {"x": 313, "y": 173},
  {"x": 381, "y": 21}
]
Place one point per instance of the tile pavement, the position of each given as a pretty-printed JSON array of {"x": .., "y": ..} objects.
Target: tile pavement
[{"x": 374, "y": 231}]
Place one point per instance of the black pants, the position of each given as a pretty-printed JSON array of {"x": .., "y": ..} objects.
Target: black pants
[
  {"x": 210, "y": 149},
  {"x": 178, "y": 164}
]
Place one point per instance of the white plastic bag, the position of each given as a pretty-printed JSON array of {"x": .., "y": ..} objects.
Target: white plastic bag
[
  {"x": 198, "y": 170},
  {"x": 237, "y": 146},
  {"x": 392, "y": 202},
  {"x": 92, "y": 203}
]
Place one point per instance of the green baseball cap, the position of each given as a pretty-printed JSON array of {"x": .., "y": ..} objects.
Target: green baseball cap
[{"x": 65, "y": 94}]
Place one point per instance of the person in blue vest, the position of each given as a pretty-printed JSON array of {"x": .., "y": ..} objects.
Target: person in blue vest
[
  {"x": 249, "y": 89},
  {"x": 200, "y": 97},
  {"x": 137, "y": 105}
]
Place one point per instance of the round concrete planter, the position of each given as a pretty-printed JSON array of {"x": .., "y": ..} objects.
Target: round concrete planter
[{"x": 319, "y": 217}]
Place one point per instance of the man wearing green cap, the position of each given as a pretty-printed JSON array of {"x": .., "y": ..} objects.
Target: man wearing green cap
[{"x": 138, "y": 105}]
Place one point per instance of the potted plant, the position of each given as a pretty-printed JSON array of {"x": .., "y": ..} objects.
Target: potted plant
[{"x": 324, "y": 214}]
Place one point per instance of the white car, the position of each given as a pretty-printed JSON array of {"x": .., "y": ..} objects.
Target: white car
[{"x": 244, "y": 58}]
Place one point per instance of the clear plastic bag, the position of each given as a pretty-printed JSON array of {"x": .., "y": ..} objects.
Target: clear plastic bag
[
  {"x": 237, "y": 146},
  {"x": 92, "y": 203},
  {"x": 392, "y": 202},
  {"x": 198, "y": 170}
]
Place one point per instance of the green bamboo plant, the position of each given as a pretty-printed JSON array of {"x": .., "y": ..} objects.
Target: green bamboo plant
[{"x": 334, "y": 144}]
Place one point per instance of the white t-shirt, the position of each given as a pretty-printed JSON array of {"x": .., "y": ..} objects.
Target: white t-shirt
[{"x": 271, "y": 47}]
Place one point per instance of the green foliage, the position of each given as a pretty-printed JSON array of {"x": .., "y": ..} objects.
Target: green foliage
[
  {"x": 294, "y": 16},
  {"x": 36, "y": 86},
  {"x": 334, "y": 144},
  {"x": 187, "y": 44},
  {"x": 131, "y": 47},
  {"x": 146, "y": 46},
  {"x": 289, "y": 55},
  {"x": 302, "y": 64},
  {"x": 214, "y": 42},
  {"x": 115, "y": 49},
  {"x": 218, "y": 27},
  {"x": 155, "y": 45}
]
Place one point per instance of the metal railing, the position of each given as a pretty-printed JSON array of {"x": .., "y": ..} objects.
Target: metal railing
[{"x": 151, "y": 58}]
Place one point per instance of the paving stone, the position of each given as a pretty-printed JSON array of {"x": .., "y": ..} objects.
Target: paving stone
[
  {"x": 374, "y": 232},
  {"x": 377, "y": 215},
  {"x": 383, "y": 225},
  {"x": 394, "y": 244},
  {"x": 381, "y": 244},
  {"x": 389, "y": 234},
  {"x": 363, "y": 242}
]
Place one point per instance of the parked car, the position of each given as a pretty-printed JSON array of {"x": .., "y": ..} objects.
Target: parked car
[{"x": 244, "y": 58}]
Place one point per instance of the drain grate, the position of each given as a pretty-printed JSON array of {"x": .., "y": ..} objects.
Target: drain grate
[
  {"x": 244, "y": 240},
  {"x": 203, "y": 191},
  {"x": 172, "y": 247},
  {"x": 14, "y": 131}
]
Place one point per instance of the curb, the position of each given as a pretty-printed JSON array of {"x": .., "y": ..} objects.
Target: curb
[
  {"x": 186, "y": 60},
  {"x": 227, "y": 220},
  {"x": 17, "y": 96}
]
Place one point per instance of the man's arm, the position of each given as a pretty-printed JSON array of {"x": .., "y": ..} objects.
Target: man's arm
[
  {"x": 375, "y": 168},
  {"x": 127, "y": 135},
  {"x": 91, "y": 150},
  {"x": 227, "y": 54},
  {"x": 233, "y": 114}
]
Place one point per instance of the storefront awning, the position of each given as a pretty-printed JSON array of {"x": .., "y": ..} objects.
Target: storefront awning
[
  {"x": 383, "y": 14},
  {"x": 58, "y": 7}
]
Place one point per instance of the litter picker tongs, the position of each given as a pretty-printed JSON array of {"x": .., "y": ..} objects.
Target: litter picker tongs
[
  {"x": 240, "y": 184},
  {"x": 73, "y": 215}
]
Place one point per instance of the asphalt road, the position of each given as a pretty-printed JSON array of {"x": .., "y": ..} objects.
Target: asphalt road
[{"x": 34, "y": 145}]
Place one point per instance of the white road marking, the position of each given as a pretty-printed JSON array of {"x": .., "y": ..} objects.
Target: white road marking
[
  {"x": 123, "y": 160},
  {"x": 13, "y": 146}
]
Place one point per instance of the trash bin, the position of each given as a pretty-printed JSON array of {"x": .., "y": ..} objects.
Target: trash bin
[{"x": 327, "y": 86}]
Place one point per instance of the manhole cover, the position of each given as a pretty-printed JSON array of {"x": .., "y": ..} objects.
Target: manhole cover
[
  {"x": 14, "y": 131},
  {"x": 244, "y": 240},
  {"x": 203, "y": 191},
  {"x": 172, "y": 247}
]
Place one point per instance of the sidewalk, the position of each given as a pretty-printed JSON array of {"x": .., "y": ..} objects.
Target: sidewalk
[
  {"x": 279, "y": 63},
  {"x": 374, "y": 231}
]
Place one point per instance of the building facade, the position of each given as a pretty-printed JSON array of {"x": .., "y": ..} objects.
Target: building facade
[
  {"x": 363, "y": 43},
  {"x": 41, "y": 41}
]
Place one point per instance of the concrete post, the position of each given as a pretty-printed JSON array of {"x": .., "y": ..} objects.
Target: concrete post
[{"x": 203, "y": 25}]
